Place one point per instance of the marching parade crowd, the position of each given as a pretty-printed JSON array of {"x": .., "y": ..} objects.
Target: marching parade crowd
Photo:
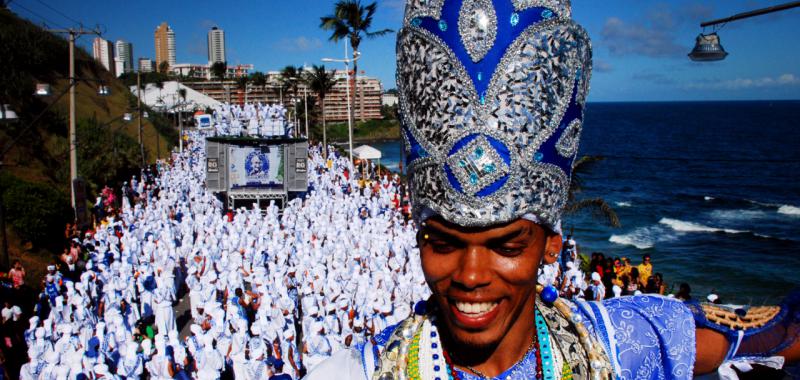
[{"x": 269, "y": 292}]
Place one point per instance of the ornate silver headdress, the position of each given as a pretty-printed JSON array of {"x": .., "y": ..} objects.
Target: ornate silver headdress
[{"x": 491, "y": 102}]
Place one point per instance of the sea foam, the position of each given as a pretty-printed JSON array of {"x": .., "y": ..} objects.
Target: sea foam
[
  {"x": 683, "y": 226},
  {"x": 738, "y": 214},
  {"x": 789, "y": 210},
  {"x": 623, "y": 204},
  {"x": 643, "y": 237}
]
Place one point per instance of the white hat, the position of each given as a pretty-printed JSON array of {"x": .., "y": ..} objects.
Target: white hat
[
  {"x": 712, "y": 297},
  {"x": 596, "y": 276}
]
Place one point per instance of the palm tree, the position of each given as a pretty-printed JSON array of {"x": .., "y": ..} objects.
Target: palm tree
[
  {"x": 242, "y": 83},
  {"x": 290, "y": 75},
  {"x": 218, "y": 70},
  {"x": 352, "y": 20},
  {"x": 598, "y": 206},
  {"x": 321, "y": 81},
  {"x": 258, "y": 79}
]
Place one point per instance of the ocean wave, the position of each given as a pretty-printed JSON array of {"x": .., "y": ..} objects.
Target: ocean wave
[
  {"x": 643, "y": 237},
  {"x": 738, "y": 214},
  {"x": 789, "y": 210},
  {"x": 708, "y": 198},
  {"x": 683, "y": 226},
  {"x": 623, "y": 204}
]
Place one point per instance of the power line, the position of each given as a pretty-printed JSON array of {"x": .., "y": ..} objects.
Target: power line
[
  {"x": 59, "y": 12},
  {"x": 41, "y": 18}
]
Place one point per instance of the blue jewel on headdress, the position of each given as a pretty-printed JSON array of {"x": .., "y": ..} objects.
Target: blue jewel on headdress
[
  {"x": 443, "y": 25},
  {"x": 489, "y": 168},
  {"x": 538, "y": 156},
  {"x": 483, "y": 98},
  {"x": 416, "y": 21},
  {"x": 546, "y": 14},
  {"x": 514, "y": 19},
  {"x": 477, "y": 153},
  {"x": 421, "y": 308},
  {"x": 480, "y": 75},
  {"x": 549, "y": 294},
  {"x": 473, "y": 178}
]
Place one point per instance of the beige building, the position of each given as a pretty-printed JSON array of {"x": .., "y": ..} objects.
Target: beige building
[
  {"x": 367, "y": 105},
  {"x": 165, "y": 45},
  {"x": 103, "y": 52}
]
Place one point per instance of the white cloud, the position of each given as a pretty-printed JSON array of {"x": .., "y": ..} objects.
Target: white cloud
[
  {"x": 298, "y": 44},
  {"x": 652, "y": 40},
  {"x": 747, "y": 83}
]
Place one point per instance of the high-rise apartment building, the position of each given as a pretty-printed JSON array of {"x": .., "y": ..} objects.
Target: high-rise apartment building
[
  {"x": 165, "y": 45},
  {"x": 216, "y": 46},
  {"x": 146, "y": 65},
  {"x": 103, "y": 52},
  {"x": 123, "y": 61}
]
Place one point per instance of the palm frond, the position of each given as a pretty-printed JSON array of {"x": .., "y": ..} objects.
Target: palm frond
[{"x": 599, "y": 208}]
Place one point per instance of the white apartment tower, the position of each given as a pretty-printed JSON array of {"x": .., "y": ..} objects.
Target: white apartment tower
[
  {"x": 103, "y": 52},
  {"x": 216, "y": 46},
  {"x": 123, "y": 61}
]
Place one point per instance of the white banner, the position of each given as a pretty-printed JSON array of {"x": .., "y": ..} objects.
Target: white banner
[{"x": 253, "y": 166}]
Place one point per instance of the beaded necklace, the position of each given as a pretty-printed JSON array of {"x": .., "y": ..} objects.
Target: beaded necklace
[
  {"x": 540, "y": 346},
  {"x": 414, "y": 351}
]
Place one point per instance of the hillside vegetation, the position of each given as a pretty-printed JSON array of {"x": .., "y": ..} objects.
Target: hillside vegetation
[{"x": 34, "y": 178}]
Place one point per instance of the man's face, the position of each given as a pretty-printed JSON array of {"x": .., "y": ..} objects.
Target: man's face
[{"x": 484, "y": 279}]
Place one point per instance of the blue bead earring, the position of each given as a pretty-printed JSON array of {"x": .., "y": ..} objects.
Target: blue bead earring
[{"x": 549, "y": 294}]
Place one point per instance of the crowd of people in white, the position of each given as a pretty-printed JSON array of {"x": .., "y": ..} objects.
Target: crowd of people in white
[
  {"x": 252, "y": 119},
  {"x": 328, "y": 271},
  {"x": 267, "y": 291}
]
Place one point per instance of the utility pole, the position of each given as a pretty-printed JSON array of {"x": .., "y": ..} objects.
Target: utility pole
[
  {"x": 73, "y": 136},
  {"x": 139, "y": 111},
  {"x": 305, "y": 103},
  {"x": 180, "y": 125}
]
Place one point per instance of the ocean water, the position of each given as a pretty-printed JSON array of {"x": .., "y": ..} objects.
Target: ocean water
[{"x": 711, "y": 190}]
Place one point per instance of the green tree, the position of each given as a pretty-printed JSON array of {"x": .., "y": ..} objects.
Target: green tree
[
  {"x": 218, "y": 70},
  {"x": 597, "y": 206},
  {"x": 258, "y": 79},
  {"x": 36, "y": 211},
  {"x": 163, "y": 67},
  {"x": 321, "y": 82},
  {"x": 352, "y": 20},
  {"x": 290, "y": 76},
  {"x": 242, "y": 83}
]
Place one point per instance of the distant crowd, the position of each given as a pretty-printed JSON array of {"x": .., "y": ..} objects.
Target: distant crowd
[{"x": 598, "y": 277}]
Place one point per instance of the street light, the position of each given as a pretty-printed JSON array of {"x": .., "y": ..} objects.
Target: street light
[
  {"x": 7, "y": 115},
  {"x": 42, "y": 89},
  {"x": 346, "y": 62},
  {"x": 707, "y": 46},
  {"x": 103, "y": 90}
]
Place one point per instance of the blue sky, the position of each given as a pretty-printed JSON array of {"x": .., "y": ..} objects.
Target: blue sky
[{"x": 639, "y": 46}]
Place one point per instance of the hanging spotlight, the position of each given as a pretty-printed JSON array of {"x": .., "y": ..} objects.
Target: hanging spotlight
[
  {"x": 7, "y": 115},
  {"x": 42, "y": 89},
  {"x": 127, "y": 116},
  {"x": 708, "y": 48},
  {"x": 103, "y": 90}
]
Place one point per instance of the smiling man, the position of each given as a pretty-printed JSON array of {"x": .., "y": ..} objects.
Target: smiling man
[{"x": 492, "y": 94}]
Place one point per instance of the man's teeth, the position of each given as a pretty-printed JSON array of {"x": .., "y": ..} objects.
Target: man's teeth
[{"x": 475, "y": 308}]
